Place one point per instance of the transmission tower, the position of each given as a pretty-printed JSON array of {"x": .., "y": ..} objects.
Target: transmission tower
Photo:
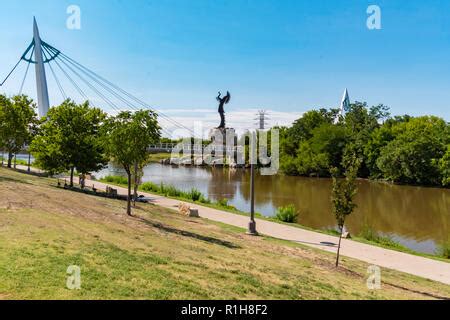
[{"x": 261, "y": 118}]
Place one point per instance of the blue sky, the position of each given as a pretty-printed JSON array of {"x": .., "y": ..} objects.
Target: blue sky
[{"x": 283, "y": 56}]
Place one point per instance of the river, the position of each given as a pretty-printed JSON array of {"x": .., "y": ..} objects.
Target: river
[{"x": 416, "y": 217}]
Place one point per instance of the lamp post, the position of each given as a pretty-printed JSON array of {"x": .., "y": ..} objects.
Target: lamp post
[
  {"x": 252, "y": 155},
  {"x": 29, "y": 162}
]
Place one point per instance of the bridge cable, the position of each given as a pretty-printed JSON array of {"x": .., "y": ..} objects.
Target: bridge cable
[
  {"x": 109, "y": 102},
  {"x": 93, "y": 88},
  {"x": 142, "y": 103},
  {"x": 26, "y": 73},
  {"x": 63, "y": 93},
  {"x": 61, "y": 89},
  {"x": 106, "y": 88},
  {"x": 10, "y": 73},
  {"x": 24, "y": 78},
  {"x": 115, "y": 94},
  {"x": 131, "y": 105},
  {"x": 80, "y": 91}
]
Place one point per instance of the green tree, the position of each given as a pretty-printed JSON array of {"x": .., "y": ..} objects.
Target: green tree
[
  {"x": 17, "y": 118},
  {"x": 127, "y": 138},
  {"x": 69, "y": 139},
  {"x": 343, "y": 193},
  {"x": 413, "y": 155},
  {"x": 302, "y": 129},
  {"x": 323, "y": 150},
  {"x": 444, "y": 167},
  {"x": 360, "y": 122},
  {"x": 379, "y": 138}
]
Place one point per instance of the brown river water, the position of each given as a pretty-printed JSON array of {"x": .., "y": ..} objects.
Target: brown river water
[{"x": 417, "y": 217}]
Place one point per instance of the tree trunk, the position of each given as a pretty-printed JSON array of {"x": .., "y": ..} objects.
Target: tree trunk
[
  {"x": 71, "y": 176},
  {"x": 129, "y": 193},
  {"x": 339, "y": 247},
  {"x": 10, "y": 156},
  {"x": 136, "y": 183},
  {"x": 15, "y": 161}
]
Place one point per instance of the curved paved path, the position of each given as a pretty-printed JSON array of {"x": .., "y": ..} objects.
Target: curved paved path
[{"x": 416, "y": 265}]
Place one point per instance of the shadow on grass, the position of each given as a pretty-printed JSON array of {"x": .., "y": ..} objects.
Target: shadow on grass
[
  {"x": 8, "y": 179},
  {"x": 427, "y": 294},
  {"x": 32, "y": 173},
  {"x": 189, "y": 234}
]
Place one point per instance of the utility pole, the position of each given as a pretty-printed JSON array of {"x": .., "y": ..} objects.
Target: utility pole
[{"x": 41, "y": 79}]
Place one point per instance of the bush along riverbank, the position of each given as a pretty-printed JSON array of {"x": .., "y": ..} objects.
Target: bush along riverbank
[
  {"x": 20, "y": 162},
  {"x": 285, "y": 215}
]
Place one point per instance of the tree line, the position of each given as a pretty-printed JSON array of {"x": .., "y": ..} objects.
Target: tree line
[
  {"x": 77, "y": 137},
  {"x": 400, "y": 149}
]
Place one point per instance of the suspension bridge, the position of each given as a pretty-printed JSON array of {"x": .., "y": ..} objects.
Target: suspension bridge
[{"x": 84, "y": 81}]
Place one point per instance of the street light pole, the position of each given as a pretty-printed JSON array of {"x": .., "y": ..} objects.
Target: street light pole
[
  {"x": 252, "y": 224},
  {"x": 29, "y": 162}
]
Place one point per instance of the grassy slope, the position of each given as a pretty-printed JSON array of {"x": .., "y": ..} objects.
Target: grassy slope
[{"x": 160, "y": 254}]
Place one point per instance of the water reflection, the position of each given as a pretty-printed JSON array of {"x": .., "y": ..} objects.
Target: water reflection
[{"x": 417, "y": 217}]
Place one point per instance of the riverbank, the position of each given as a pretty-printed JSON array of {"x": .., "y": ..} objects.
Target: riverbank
[
  {"x": 414, "y": 264},
  {"x": 416, "y": 217},
  {"x": 160, "y": 254},
  {"x": 368, "y": 236}
]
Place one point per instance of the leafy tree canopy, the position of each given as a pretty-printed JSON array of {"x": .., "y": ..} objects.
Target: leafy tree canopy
[
  {"x": 17, "y": 122},
  {"x": 401, "y": 149},
  {"x": 69, "y": 139}
]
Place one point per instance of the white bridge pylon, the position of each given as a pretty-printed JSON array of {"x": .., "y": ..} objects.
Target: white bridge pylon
[
  {"x": 83, "y": 80},
  {"x": 41, "y": 79}
]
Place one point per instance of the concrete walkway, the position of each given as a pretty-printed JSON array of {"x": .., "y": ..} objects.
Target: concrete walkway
[
  {"x": 416, "y": 265},
  {"x": 385, "y": 258}
]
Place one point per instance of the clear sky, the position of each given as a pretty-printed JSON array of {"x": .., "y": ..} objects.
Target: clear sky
[{"x": 283, "y": 56}]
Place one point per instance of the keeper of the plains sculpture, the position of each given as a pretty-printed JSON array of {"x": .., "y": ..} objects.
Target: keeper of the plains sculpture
[{"x": 223, "y": 101}]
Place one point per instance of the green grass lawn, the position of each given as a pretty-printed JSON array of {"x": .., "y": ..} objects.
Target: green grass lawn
[{"x": 160, "y": 254}]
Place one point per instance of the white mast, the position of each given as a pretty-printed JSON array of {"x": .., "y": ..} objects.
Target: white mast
[
  {"x": 345, "y": 105},
  {"x": 41, "y": 79}
]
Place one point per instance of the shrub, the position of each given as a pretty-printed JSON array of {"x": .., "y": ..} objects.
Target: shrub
[
  {"x": 371, "y": 235},
  {"x": 444, "y": 250},
  {"x": 204, "y": 200},
  {"x": 150, "y": 187},
  {"x": 171, "y": 191},
  {"x": 115, "y": 179},
  {"x": 223, "y": 203},
  {"x": 194, "y": 195},
  {"x": 287, "y": 214},
  {"x": 168, "y": 191}
]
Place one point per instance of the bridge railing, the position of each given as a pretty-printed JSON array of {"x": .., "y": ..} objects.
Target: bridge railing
[{"x": 187, "y": 147}]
